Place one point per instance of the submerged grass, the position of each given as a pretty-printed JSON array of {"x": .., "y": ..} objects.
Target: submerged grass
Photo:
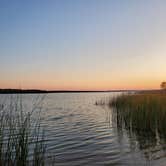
[
  {"x": 141, "y": 112},
  {"x": 142, "y": 116},
  {"x": 21, "y": 137}
]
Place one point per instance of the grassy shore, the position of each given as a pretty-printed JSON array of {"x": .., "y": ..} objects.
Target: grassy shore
[
  {"x": 21, "y": 137},
  {"x": 141, "y": 112}
]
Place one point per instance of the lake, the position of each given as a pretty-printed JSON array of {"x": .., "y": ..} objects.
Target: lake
[{"x": 79, "y": 133}]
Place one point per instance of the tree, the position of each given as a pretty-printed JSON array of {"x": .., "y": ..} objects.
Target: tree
[{"x": 163, "y": 85}]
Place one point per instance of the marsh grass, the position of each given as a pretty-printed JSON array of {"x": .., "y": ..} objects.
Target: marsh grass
[
  {"x": 141, "y": 113},
  {"x": 21, "y": 136},
  {"x": 142, "y": 116},
  {"x": 100, "y": 102}
]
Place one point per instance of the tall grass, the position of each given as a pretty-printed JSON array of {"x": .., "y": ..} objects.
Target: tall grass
[
  {"x": 144, "y": 113},
  {"x": 21, "y": 136}
]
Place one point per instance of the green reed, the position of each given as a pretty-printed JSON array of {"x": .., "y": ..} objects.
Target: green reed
[
  {"x": 141, "y": 112},
  {"x": 21, "y": 137}
]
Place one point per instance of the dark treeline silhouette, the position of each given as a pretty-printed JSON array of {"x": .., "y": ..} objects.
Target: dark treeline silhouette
[
  {"x": 18, "y": 91},
  {"x": 10, "y": 91},
  {"x": 163, "y": 85}
]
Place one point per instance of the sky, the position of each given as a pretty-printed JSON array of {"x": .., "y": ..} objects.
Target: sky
[{"x": 82, "y": 44}]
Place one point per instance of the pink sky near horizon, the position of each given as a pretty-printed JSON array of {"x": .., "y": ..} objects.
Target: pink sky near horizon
[{"x": 85, "y": 85}]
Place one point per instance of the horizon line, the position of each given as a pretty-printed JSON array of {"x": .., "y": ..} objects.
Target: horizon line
[{"x": 12, "y": 91}]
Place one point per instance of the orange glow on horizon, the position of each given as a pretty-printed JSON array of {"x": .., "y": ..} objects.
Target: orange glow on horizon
[
  {"x": 96, "y": 81},
  {"x": 87, "y": 85}
]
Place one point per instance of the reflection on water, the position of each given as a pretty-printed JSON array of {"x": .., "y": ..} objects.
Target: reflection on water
[
  {"x": 150, "y": 141},
  {"x": 80, "y": 133}
]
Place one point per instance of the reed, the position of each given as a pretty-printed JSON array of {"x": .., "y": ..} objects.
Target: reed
[
  {"x": 21, "y": 136},
  {"x": 100, "y": 102},
  {"x": 141, "y": 112}
]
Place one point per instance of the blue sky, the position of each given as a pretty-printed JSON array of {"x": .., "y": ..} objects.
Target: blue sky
[{"x": 82, "y": 44}]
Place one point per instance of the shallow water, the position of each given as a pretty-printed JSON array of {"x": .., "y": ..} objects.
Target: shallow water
[{"x": 80, "y": 133}]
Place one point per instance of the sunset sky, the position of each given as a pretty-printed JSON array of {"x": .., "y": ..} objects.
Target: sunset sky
[{"x": 82, "y": 44}]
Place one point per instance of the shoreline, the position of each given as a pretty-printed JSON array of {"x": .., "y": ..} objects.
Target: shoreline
[{"x": 36, "y": 91}]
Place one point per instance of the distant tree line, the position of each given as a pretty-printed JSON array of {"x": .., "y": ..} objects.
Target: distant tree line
[
  {"x": 11, "y": 91},
  {"x": 163, "y": 85}
]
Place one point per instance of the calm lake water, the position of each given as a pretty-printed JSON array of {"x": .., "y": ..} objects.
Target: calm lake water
[{"x": 79, "y": 133}]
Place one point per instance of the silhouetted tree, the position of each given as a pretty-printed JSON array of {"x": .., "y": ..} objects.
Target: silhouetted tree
[{"x": 163, "y": 85}]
